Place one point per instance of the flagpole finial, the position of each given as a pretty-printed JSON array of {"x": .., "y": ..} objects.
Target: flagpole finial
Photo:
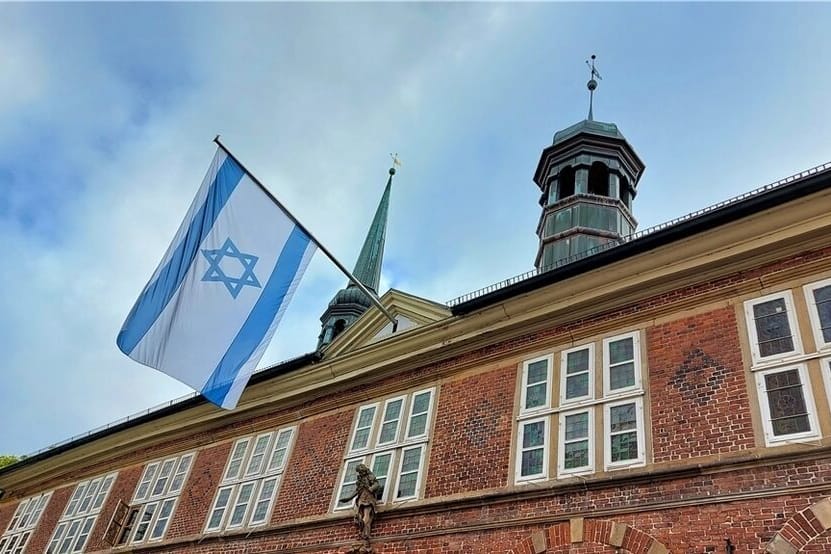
[
  {"x": 592, "y": 84},
  {"x": 395, "y": 162}
]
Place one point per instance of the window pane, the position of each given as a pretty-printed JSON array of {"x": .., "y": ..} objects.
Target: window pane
[
  {"x": 531, "y": 462},
  {"x": 257, "y": 456},
  {"x": 576, "y": 454},
  {"x": 164, "y": 475},
  {"x": 102, "y": 493},
  {"x": 788, "y": 411},
  {"x": 624, "y": 447},
  {"x": 822, "y": 297},
  {"x": 533, "y": 434},
  {"x": 241, "y": 505},
  {"x": 164, "y": 517},
  {"x": 577, "y": 361},
  {"x": 392, "y": 414},
  {"x": 537, "y": 372},
  {"x": 411, "y": 460},
  {"x": 622, "y": 418},
  {"x": 82, "y": 537},
  {"x": 381, "y": 469},
  {"x": 577, "y": 426},
  {"x": 365, "y": 419},
  {"x": 349, "y": 478},
  {"x": 361, "y": 439},
  {"x": 144, "y": 522},
  {"x": 280, "y": 449},
  {"x": 263, "y": 501},
  {"x": 621, "y": 351},
  {"x": 219, "y": 508},
  {"x": 577, "y": 385},
  {"x": 772, "y": 327},
  {"x": 181, "y": 472},
  {"x": 418, "y": 425},
  {"x": 144, "y": 487},
  {"x": 622, "y": 376},
  {"x": 363, "y": 428},
  {"x": 407, "y": 485},
  {"x": 236, "y": 460},
  {"x": 535, "y": 396},
  {"x": 86, "y": 503},
  {"x": 421, "y": 402},
  {"x": 76, "y": 498}
]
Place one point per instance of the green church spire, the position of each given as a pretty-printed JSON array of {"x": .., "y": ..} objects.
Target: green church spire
[
  {"x": 350, "y": 302},
  {"x": 368, "y": 267}
]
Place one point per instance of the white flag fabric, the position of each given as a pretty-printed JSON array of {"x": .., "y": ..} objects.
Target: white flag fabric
[{"x": 214, "y": 302}]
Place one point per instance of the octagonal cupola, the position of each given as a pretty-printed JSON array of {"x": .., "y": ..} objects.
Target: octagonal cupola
[{"x": 588, "y": 178}]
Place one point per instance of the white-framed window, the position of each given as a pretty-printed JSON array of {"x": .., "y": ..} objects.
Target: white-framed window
[
  {"x": 154, "y": 501},
  {"x": 577, "y": 374},
  {"x": 559, "y": 430},
  {"x": 536, "y": 384},
  {"x": 532, "y": 449},
  {"x": 252, "y": 477},
  {"x": 76, "y": 523},
  {"x": 787, "y": 405},
  {"x": 23, "y": 523},
  {"x": 818, "y": 297},
  {"x": 621, "y": 364},
  {"x": 624, "y": 433},
  {"x": 390, "y": 437},
  {"x": 575, "y": 452},
  {"x": 772, "y": 328}
]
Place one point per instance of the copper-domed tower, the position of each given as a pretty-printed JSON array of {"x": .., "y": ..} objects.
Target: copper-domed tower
[{"x": 588, "y": 178}]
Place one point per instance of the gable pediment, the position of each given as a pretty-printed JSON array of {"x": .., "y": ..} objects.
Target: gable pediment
[{"x": 373, "y": 326}]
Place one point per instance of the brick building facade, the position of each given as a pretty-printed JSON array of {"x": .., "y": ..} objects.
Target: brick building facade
[{"x": 670, "y": 392}]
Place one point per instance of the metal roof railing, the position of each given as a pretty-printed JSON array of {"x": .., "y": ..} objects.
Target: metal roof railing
[{"x": 638, "y": 235}]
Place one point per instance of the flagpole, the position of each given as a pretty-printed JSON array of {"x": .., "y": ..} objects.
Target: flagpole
[{"x": 375, "y": 300}]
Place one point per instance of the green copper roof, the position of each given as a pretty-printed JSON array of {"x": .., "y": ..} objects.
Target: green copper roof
[
  {"x": 368, "y": 267},
  {"x": 591, "y": 127}
]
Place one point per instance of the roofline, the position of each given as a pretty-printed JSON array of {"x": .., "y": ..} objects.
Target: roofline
[
  {"x": 174, "y": 408},
  {"x": 729, "y": 213}
]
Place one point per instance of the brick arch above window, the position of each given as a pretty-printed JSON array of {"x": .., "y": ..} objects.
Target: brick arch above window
[
  {"x": 803, "y": 528},
  {"x": 580, "y": 532}
]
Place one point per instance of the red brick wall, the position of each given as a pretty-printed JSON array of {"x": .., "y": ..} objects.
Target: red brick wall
[
  {"x": 697, "y": 385},
  {"x": 471, "y": 439},
  {"x": 49, "y": 519},
  {"x": 311, "y": 475},
  {"x": 123, "y": 489},
  {"x": 6, "y": 512},
  {"x": 198, "y": 492}
]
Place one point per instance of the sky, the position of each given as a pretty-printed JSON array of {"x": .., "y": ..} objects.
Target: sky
[{"x": 108, "y": 111}]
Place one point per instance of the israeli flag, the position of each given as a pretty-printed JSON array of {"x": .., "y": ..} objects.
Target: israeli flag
[{"x": 214, "y": 302}]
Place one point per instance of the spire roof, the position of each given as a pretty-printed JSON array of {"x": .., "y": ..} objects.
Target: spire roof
[{"x": 368, "y": 267}]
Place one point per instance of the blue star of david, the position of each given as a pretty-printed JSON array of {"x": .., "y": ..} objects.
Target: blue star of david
[{"x": 233, "y": 284}]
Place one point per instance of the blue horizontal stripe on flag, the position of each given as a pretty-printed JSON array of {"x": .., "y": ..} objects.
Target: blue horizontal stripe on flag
[
  {"x": 259, "y": 320},
  {"x": 155, "y": 297}
]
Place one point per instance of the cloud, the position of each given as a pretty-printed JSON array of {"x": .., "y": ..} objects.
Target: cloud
[{"x": 106, "y": 142}]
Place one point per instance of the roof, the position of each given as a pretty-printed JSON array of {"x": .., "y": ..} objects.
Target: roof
[{"x": 591, "y": 127}]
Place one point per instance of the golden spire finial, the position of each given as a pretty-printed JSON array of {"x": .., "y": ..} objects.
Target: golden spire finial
[{"x": 395, "y": 160}]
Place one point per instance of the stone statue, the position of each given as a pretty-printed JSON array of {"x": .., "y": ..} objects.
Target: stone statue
[{"x": 367, "y": 488}]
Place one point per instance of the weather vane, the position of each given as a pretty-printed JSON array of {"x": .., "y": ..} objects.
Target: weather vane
[
  {"x": 592, "y": 84},
  {"x": 395, "y": 162}
]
